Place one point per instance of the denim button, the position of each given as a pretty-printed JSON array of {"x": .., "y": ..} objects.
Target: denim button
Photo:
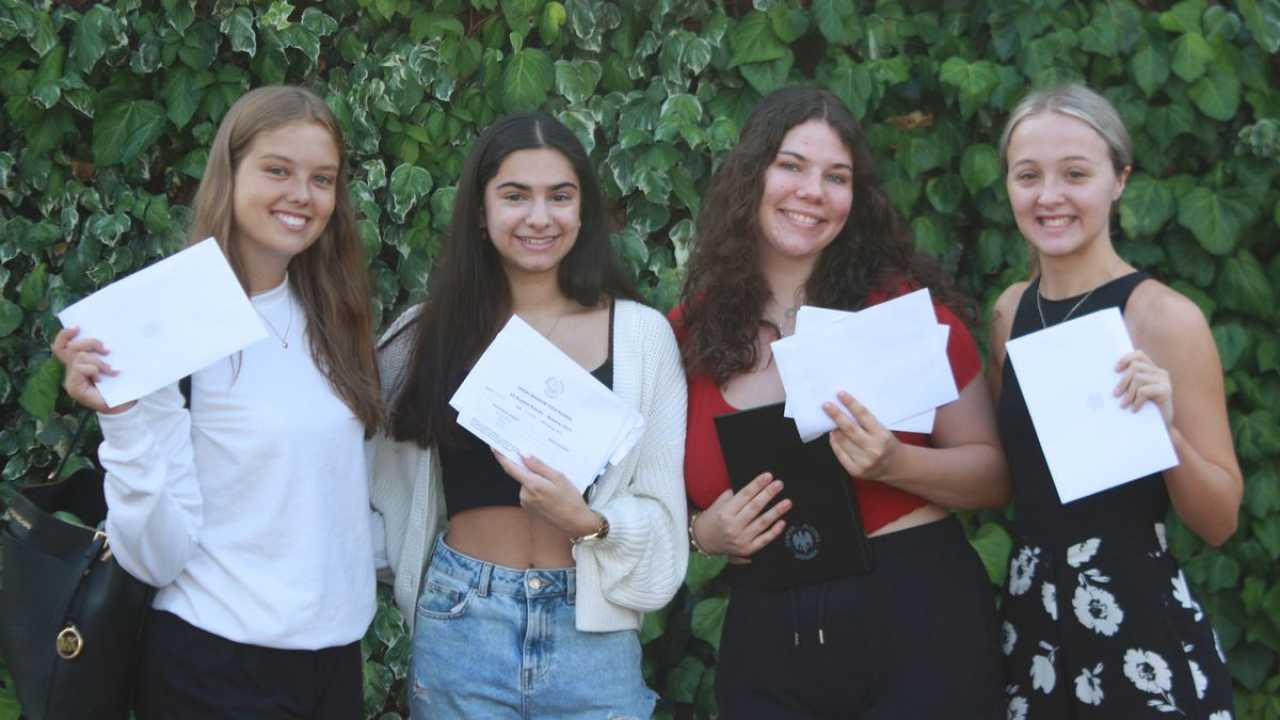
[{"x": 535, "y": 583}]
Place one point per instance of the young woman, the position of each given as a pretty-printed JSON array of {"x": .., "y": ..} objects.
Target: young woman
[
  {"x": 1099, "y": 621},
  {"x": 250, "y": 511},
  {"x": 531, "y": 604},
  {"x": 795, "y": 215}
]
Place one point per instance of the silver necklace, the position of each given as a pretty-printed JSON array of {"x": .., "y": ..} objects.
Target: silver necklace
[
  {"x": 1066, "y": 317},
  {"x": 284, "y": 343}
]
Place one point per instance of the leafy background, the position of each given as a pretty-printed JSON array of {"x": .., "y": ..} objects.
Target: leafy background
[{"x": 108, "y": 110}]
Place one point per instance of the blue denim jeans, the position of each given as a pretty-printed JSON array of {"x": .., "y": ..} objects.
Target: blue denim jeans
[{"x": 497, "y": 642}]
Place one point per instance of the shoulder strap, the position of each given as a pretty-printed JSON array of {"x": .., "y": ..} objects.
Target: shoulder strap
[{"x": 184, "y": 387}]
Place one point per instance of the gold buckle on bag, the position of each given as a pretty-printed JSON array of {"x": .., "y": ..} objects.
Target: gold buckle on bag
[{"x": 69, "y": 643}]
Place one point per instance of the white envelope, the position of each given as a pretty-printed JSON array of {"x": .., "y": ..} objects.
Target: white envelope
[
  {"x": 1067, "y": 375},
  {"x": 525, "y": 396},
  {"x": 167, "y": 321}
]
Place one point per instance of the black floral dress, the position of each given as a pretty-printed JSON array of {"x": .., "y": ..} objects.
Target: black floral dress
[{"x": 1098, "y": 619}]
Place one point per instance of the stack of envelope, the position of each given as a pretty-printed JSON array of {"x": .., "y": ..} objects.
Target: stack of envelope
[
  {"x": 891, "y": 357},
  {"x": 526, "y": 397}
]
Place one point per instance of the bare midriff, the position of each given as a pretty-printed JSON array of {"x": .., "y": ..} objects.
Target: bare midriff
[{"x": 509, "y": 536}]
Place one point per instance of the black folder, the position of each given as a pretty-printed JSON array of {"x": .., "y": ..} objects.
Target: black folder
[{"x": 823, "y": 538}]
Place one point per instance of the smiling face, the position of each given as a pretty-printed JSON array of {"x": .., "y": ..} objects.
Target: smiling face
[
  {"x": 532, "y": 210},
  {"x": 283, "y": 196},
  {"x": 808, "y": 192},
  {"x": 1061, "y": 184}
]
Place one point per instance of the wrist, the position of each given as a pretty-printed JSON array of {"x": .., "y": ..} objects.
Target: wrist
[
  {"x": 693, "y": 535},
  {"x": 594, "y": 527}
]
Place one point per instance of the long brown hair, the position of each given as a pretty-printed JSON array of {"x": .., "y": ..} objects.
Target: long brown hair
[
  {"x": 725, "y": 292},
  {"x": 470, "y": 293},
  {"x": 330, "y": 277}
]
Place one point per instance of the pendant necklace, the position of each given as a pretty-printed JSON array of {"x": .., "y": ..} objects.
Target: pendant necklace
[{"x": 284, "y": 343}]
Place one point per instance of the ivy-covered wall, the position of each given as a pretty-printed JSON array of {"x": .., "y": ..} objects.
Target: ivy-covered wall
[{"x": 108, "y": 109}]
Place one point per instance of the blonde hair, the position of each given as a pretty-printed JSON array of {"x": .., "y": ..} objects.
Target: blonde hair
[
  {"x": 1077, "y": 101},
  {"x": 331, "y": 276}
]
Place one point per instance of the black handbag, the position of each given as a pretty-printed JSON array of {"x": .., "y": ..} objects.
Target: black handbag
[{"x": 70, "y": 616}]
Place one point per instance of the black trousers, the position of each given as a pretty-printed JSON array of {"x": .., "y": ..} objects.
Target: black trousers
[
  {"x": 190, "y": 674},
  {"x": 914, "y": 639}
]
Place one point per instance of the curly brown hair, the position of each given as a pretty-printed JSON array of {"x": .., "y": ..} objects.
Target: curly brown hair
[{"x": 725, "y": 292}]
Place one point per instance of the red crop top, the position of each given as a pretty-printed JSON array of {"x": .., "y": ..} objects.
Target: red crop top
[{"x": 705, "y": 475}]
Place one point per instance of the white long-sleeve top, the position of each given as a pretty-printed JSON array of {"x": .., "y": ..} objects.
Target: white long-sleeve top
[
  {"x": 640, "y": 565},
  {"x": 250, "y": 512}
]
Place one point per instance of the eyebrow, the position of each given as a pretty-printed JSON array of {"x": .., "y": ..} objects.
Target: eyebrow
[
  {"x": 798, "y": 156},
  {"x": 526, "y": 188},
  {"x": 291, "y": 161},
  {"x": 1069, "y": 158}
]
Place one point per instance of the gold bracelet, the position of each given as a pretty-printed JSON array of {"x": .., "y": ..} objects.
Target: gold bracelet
[{"x": 693, "y": 539}]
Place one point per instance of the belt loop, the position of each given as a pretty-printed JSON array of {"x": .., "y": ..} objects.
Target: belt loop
[
  {"x": 486, "y": 573},
  {"x": 571, "y": 583}
]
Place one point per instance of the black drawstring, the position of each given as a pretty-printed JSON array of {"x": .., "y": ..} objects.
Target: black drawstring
[
  {"x": 822, "y": 614},
  {"x": 795, "y": 615},
  {"x": 793, "y": 603}
]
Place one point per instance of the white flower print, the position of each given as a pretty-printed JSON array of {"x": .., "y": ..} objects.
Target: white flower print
[
  {"x": 1162, "y": 537},
  {"x": 1217, "y": 645},
  {"x": 1008, "y": 637},
  {"x": 1147, "y": 671},
  {"x": 1022, "y": 569},
  {"x": 1202, "y": 682},
  {"x": 1043, "y": 676},
  {"x": 1221, "y": 715},
  {"x": 1049, "y": 596},
  {"x": 1089, "y": 685},
  {"x": 1097, "y": 610},
  {"x": 1182, "y": 593},
  {"x": 1017, "y": 708},
  {"x": 1081, "y": 553}
]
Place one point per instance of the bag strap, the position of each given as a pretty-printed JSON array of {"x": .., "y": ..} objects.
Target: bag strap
[{"x": 184, "y": 387}]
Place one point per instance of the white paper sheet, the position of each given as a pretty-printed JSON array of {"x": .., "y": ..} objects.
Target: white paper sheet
[
  {"x": 1067, "y": 375},
  {"x": 810, "y": 318},
  {"x": 525, "y": 396},
  {"x": 891, "y": 357},
  {"x": 167, "y": 320}
]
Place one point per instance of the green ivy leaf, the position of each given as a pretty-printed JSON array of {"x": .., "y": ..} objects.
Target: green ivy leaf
[
  {"x": 576, "y": 80},
  {"x": 10, "y": 317},
  {"x": 702, "y": 570},
  {"x": 929, "y": 237},
  {"x": 180, "y": 14},
  {"x": 683, "y": 680},
  {"x": 752, "y": 41},
  {"x": 238, "y": 26},
  {"x": 1183, "y": 17},
  {"x": 318, "y": 23},
  {"x": 1262, "y": 17},
  {"x": 979, "y": 167},
  {"x": 1191, "y": 55},
  {"x": 32, "y": 289},
  {"x": 973, "y": 81},
  {"x": 89, "y": 41},
  {"x": 277, "y": 15},
  {"x": 1269, "y": 354},
  {"x": 1145, "y": 206},
  {"x": 553, "y": 18},
  {"x": 1262, "y": 491},
  {"x": 945, "y": 193},
  {"x": 40, "y": 392},
  {"x": 1150, "y": 68},
  {"x": 1217, "y": 94},
  {"x": 1243, "y": 286},
  {"x": 1216, "y": 219},
  {"x": 408, "y": 184},
  {"x": 1233, "y": 342},
  {"x": 851, "y": 82},
  {"x": 1166, "y": 123},
  {"x": 183, "y": 90},
  {"x": 765, "y": 77},
  {"x": 124, "y": 131},
  {"x": 834, "y": 18},
  {"x": 789, "y": 23},
  {"x": 1257, "y": 434},
  {"x": 1250, "y": 663},
  {"x": 653, "y": 627},
  {"x": 526, "y": 80},
  {"x": 993, "y": 545},
  {"x": 708, "y": 620}
]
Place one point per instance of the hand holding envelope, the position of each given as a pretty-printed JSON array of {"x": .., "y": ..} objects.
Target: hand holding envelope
[
  {"x": 166, "y": 321},
  {"x": 892, "y": 357},
  {"x": 524, "y": 396},
  {"x": 1091, "y": 443}
]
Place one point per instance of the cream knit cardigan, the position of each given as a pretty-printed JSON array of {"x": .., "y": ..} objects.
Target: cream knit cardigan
[{"x": 641, "y": 564}]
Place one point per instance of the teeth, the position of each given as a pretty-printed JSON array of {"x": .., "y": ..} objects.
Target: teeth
[
  {"x": 537, "y": 242},
  {"x": 800, "y": 219},
  {"x": 1055, "y": 222},
  {"x": 293, "y": 221}
]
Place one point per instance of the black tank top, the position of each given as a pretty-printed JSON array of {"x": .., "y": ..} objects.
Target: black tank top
[
  {"x": 473, "y": 478},
  {"x": 1126, "y": 509}
]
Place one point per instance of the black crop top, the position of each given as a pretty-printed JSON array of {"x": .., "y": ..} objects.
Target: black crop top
[
  {"x": 473, "y": 478},
  {"x": 1040, "y": 515}
]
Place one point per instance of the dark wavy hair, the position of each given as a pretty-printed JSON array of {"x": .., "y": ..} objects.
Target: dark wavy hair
[
  {"x": 725, "y": 292},
  {"x": 469, "y": 293}
]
